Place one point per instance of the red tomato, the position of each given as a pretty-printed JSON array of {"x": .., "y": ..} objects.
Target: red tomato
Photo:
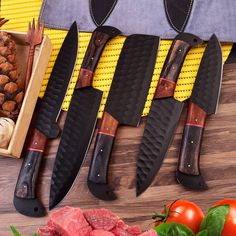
[
  {"x": 230, "y": 223},
  {"x": 186, "y": 213}
]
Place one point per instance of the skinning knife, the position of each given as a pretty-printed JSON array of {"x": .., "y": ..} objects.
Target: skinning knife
[
  {"x": 203, "y": 102},
  {"x": 81, "y": 119},
  {"x": 164, "y": 113},
  {"x": 124, "y": 105},
  {"x": 25, "y": 199}
]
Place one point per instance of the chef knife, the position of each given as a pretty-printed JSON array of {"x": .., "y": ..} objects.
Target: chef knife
[
  {"x": 81, "y": 119},
  {"x": 203, "y": 102},
  {"x": 25, "y": 199},
  {"x": 124, "y": 105},
  {"x": 164, "y": 113},
  {"x": 100, "y": 10}
]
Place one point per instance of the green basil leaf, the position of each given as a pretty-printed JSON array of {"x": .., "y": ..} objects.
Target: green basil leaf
[
  {"x": 173, "y": 229},
  {"x": 213, "y": 223},
  {"x": 36, "y": 234},
  {"x": 14, "y": 231}
]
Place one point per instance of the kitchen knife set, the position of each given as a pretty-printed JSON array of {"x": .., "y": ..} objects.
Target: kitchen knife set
[{"x": 124, "y": 106}]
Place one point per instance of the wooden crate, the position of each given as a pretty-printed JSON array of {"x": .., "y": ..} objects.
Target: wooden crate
[{"x": 41, "y": 58}]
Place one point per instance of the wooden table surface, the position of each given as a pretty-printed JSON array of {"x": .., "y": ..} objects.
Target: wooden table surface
[{"x": 218, "y": 162}]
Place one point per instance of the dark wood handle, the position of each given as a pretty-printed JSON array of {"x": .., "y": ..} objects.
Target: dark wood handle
[
  {"x": 25, "y": 187},
  {"x": 29, "y": 67},
  {"x": 103, "y": 147},
  {"x": 171, "y": 69},
  {"x": 191, "y": 142},
  {"x": 95, "y": 48}
]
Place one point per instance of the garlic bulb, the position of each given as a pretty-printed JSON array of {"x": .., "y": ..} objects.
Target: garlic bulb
[{"x": 7, "y": 126}]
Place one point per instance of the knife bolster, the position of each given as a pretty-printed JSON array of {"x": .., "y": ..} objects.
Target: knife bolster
[
  {"x": 191, "y": 143},
  {"x": 196, "y": 116},
  {"x": 108, "y": 125},
  {"x": 165, "y": 88},
  {"x": 85, "y": 78},
  {"x": 37, "y": 141}
]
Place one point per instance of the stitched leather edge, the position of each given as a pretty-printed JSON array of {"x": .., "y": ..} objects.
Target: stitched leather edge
[
  {"x": 106, "y": 17},
  {"x": 186, "y": 18}
]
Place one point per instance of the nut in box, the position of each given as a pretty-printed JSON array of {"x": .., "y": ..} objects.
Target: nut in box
[{"x": 12, "y": 90}]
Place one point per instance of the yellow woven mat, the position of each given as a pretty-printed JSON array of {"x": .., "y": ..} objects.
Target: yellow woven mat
[{"x": 20, "y": 12}]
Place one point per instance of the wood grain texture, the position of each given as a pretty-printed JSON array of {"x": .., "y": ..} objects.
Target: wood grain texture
[{"x": 218, "y": 163}]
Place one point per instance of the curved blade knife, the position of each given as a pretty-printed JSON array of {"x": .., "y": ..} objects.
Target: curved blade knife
[
  {"x": 203, "y": 102},
  {"x": 25, "y": 199},
  {"x": 81, "y": 119},
  {"x": 124, "y": 105},
  {"x": 100, "y": 10},
  {"x": 164, "y": 113},
  {"x": 178, "y": 13}
]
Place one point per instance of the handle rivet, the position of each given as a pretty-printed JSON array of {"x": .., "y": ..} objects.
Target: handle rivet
[
  {"x": 35, "y": 143},
  {"x": 92, "y": 58},
  {"x": 98, "y": 175},
  {"x": 192, "y": 141},
  {"x": 101, "y": 150},
  {"x": 196, "y": 120},
  {"x": 173, "y": 67},
  {"x": 189, "y": 165},
  {"x": 180, "y": 50},
  {"x": 29, "y": 164}
]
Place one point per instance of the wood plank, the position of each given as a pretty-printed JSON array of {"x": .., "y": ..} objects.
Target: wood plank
[{"x": 218, "y": 161}]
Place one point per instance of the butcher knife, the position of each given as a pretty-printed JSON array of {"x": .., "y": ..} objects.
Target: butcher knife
[
  {"x": 100, "y": 10},
  {"x": 203, "y": 102},
  {"x": 81, "y": 119},
  {"x": 124, "y": 105},
  {"x": 164, "y": 113},
  {"x": 25, "y": 199}
]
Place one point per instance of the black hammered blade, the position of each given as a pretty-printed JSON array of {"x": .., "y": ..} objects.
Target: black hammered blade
[
  {"x": 132, "y": 79},
  {"x": 160, "y": 126},
  {"x": 178, "y": 13},
  {"x": 208, "y": 82},
  {"x": 57, "y": 86},
  {"x": 79, "y": 126},
  {"x": 100, "y": 10}
]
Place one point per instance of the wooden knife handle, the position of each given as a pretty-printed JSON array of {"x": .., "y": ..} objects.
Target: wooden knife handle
[
  {"x": 191, "y": 142},
  {"x": 98, "y": 172},
  {"x": 25, "y": 187},
  {"x": 97, "y": 43},
  {"x": 173, "y": 64}
]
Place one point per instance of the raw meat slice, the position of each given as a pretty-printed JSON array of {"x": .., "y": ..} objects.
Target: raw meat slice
[
  {"x": 134, "y": 230},
  {"x": 101, "y": 219},
  {"x": 100, "y": 232},
  {"x": 150, "y": 232},
  {"x": 123, "y": 229},
  {"x": 70, "y": 221}
]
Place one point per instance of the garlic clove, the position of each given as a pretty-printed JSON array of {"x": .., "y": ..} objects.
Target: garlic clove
[{"x": 7, "y": 126}]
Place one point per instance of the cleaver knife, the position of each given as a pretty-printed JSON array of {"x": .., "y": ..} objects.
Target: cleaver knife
[
  {"x": 81, "y": 119},
  {"x": 203, "y": 102},
  {"x": 164, "y": 113},
  {"x": 124, "y": 105},
  {"x": 25, "y": 199}
]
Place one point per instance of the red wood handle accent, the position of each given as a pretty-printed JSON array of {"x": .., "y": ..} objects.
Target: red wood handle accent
[
  {"x": 85, "y": 78},
  {"x": 165, "y": 88},
  {"x": 37, "y": 141},
  {"x": 108, "y": 125},
  {"x": 196, "y": 116}
]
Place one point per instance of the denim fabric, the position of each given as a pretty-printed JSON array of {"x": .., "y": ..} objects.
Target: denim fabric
[{"x": 146, "y": 17}]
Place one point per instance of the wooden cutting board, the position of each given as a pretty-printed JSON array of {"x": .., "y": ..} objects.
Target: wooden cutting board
[{"x": 218, "y": 164}]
